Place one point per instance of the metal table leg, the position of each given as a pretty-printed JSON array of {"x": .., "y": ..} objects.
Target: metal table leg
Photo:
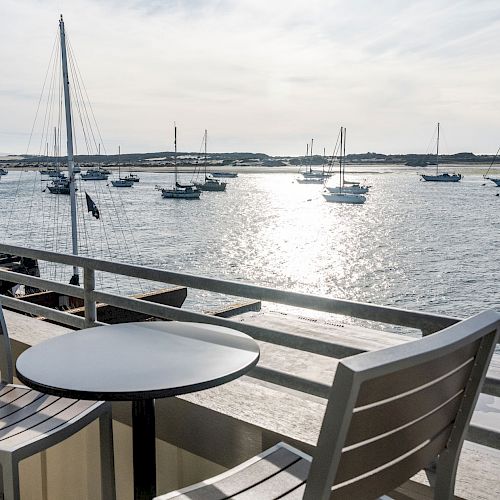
[{"x": 144, "y": 452}]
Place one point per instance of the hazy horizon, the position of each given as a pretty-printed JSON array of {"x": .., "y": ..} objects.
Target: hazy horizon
[{"x": 264, "y": 76}]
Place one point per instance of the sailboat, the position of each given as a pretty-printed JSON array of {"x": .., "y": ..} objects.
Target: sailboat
[
  {"x": 444, "y": 176},
  {"x": 121, "y": 182},
  {"x": 179, "y": 191},
  {"x": 495, "y": 179},
  {"x": 210, "y": 183},
  {"x": 310, "y": 176},
  {"x": 343, "y": 194}
]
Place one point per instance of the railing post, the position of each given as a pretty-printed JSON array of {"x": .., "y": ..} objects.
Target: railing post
[{"x": 88, "y": 297}]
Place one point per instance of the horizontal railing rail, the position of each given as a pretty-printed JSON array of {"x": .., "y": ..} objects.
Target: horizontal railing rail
[{"x": 427, "y": 323}]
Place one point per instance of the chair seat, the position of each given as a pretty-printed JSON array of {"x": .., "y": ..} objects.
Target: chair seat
[
  {"x": 28, "y": 416},
  {"x": 279, "y": 472}
]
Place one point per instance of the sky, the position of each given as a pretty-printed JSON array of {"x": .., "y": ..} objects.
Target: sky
[{"x": 264, "y": 75}]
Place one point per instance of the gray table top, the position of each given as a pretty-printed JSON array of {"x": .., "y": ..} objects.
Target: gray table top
[{"x": 133, "y": 361}]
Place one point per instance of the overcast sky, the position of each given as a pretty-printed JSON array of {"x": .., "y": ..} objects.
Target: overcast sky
[{"x": 264, "y": 75}]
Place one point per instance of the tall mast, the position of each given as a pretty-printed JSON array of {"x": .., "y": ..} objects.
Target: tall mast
[
  {"x": 119, "y": 164},
  {"x": 75, "y": 279},
  {"x": 340, "y": 158},
  {"x": 205, "y": 154},
  {"x": 437, "y": 152},
  {"x": 343, "y": 170},
  {"x": 311, "y": 160},
  {"x": 175, "y": 155}
]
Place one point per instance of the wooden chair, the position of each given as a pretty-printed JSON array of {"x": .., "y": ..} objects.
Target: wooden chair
[
  {"x": 390, "y": 414},
  {"x": 31, "y": 422}
]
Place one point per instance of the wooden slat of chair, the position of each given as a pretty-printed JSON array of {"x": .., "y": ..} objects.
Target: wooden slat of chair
[
  {"x": 281, "y": 466},
  {"x": 381, "y": 418},
  {"x": 17, "y": 398},
  {"x": 407, "y": 379},
  {"x": 51, "y": 413},
  {"x": 67, "y": 413},
  {"x": 11, "y": 393}
]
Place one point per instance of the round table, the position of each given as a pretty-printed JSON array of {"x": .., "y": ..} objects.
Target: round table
[{"x": 138, "y": 362}]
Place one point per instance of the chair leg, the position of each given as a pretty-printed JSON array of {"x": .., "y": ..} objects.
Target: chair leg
[
  {"x": 10, "y": 479},
  {"x": 108, "y": 490}
]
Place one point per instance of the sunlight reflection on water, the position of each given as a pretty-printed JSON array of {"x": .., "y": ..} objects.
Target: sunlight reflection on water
[{"x": 416, "y": 245}]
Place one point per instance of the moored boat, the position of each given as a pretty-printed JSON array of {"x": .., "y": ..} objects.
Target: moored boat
[
  {"x": 443, "y": 177},
  {"x": 94, "y": 174},
  {"x": 342, "y": 193},
  {"x": 209, "y": 184},
  {"x": 179, "y": 191}
]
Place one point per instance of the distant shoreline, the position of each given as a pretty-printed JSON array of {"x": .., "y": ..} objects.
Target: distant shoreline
[{"x": 373, "y": 168}]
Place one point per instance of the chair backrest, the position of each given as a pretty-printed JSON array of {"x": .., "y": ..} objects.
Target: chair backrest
[
  {"x": 5, "y": 351},
  {"x": 393, "y": 412}
]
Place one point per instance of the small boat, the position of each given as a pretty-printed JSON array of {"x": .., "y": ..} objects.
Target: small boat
[
  {"x": 3, "y": 171},
  {"x": 229, "y": 175},
  {"x": 132, "y": 178},
  {"x": 179, "y": 191},
  {"x": 342, "y": 193},
  {"x": 121, "y": 182},
  {"x": 210, "y": 183},
  {"x": 310, "y": 176},
  {"x": 52, "y": 172},
  {"x": 60, "y": 185},
  {"x": 443, "y": 177},
  {"x": 94, "y": 174},
  {"x": 495, "y": 179}
]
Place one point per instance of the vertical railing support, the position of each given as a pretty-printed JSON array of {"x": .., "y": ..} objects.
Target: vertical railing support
[{"x": 88, "y": 297}]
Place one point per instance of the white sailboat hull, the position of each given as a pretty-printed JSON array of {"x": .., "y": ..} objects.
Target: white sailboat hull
[
  {"x": 445, "y": 177},
  {"x": 184, "y": 194},
  {"x": 348, "y": 189},
  {"x": 310, "y": 180},
  {"x": 353, "y": 199},
  {"x": 495, "y": 180},
  {"x": 122, "y": 183}
]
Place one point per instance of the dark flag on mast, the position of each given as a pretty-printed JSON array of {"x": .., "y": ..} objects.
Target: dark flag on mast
[{"x": 91, "y": 206}]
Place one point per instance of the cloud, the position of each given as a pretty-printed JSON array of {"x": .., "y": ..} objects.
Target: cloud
[{"x": 263, "y": 76}]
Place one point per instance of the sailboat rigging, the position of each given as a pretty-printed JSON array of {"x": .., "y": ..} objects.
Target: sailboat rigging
[
  {"x": 310, "y": 176},
  {"x": 121, "y": 182},
  {"x": 210, "y": 183},
  {"x": 445, "y": 176},
  {"x": 342, "y": 193},
  {"x": 495, "y": 179},
  {"x": 179, "y": 191}
]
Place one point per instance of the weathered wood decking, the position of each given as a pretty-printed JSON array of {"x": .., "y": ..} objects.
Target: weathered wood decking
[{"x": 258, "y": 414}]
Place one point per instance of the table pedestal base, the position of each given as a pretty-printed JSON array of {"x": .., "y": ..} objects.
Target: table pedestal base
[{"x": 143, "y": 439}]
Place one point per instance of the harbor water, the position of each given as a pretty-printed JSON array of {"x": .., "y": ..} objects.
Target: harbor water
[{"x": 424, "y": 246}]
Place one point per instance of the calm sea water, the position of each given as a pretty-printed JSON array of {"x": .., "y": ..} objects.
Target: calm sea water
[{"x": 425, "y": 246}]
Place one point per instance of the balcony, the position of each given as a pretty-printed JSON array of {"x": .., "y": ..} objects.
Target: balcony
[{"x": 283, "y": 398}]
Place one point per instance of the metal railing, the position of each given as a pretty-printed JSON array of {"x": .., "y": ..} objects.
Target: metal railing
[{"x": 427, "y": 323}]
